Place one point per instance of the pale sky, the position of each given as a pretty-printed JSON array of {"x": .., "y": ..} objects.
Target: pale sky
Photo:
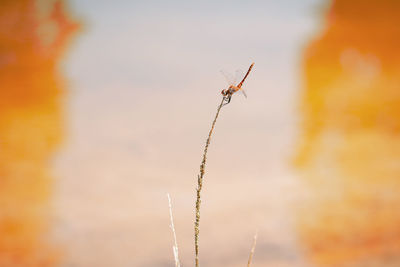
[{"x": 144, "y": 84}]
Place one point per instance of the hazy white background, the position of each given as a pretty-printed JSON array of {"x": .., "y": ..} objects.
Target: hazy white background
[{"x": 144, "y": 84}]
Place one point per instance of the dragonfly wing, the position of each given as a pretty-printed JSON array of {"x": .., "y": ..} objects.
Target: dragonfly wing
[
  {"x": 243, "y": 92},
  {"x": 238, "y": 76},
  {"x": 228, "y": 76}
]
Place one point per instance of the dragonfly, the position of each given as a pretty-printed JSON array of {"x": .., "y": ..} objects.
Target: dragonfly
[{"x": 227, "y": 93}]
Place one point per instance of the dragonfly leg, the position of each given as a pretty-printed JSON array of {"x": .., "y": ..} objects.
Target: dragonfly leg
[{"x": 227, "y": 100}]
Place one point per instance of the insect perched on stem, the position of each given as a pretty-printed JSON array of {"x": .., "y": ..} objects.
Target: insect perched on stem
[{"x": 227, "y": 93}]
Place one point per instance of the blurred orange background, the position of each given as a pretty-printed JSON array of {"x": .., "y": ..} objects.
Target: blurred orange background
[
  {"x": 349, "y": 150},
  {"x": 95, "y": 132},
  {"x": 32, "y": 42}
]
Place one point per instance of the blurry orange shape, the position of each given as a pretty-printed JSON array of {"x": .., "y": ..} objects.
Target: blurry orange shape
[
  {"x": 349, "y": 150},
  {"x": 33, "y": 35}
]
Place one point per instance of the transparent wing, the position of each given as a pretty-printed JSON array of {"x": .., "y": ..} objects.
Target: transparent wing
[
  {"x": 243, "y": 92},
  {"x": 228, "y": 76},
  {"x": 239, "y": 74}
]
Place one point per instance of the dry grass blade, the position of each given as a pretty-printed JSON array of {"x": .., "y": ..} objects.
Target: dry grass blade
[
  {"x": 175, "y": 247},
  {"x": 253, "y": 248},
  {"x": 200, "y": 184}
]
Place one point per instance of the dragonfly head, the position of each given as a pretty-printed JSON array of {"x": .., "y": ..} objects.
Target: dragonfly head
[{"x": 228, "y": 91}]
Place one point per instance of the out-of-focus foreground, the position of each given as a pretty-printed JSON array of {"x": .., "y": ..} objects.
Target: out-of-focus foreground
[
  {"x": 350, "y": 149},
  {"x": 31, "y": 44}
]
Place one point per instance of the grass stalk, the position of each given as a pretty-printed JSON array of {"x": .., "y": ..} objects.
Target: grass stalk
[
  {"x": 200, "y": 185},
  {"x": 175, "y": 247},
  {"x": 253, "y": 248}
]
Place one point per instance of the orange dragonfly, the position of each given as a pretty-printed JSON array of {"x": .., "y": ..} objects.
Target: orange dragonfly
[{"x": 227, "y": 93}]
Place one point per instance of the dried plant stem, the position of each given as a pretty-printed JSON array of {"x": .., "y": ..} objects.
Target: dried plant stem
[
  {"x": 252, "y": 250},
  {"x": 175, "y": 247},
  {"x": 200, "y": 185}
]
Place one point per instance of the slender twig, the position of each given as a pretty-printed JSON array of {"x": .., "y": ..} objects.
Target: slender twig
[
  {"x": 175, "y": 247},
  {"x": 252, "y": 250},
  {"x": 200, "y": 184}
]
